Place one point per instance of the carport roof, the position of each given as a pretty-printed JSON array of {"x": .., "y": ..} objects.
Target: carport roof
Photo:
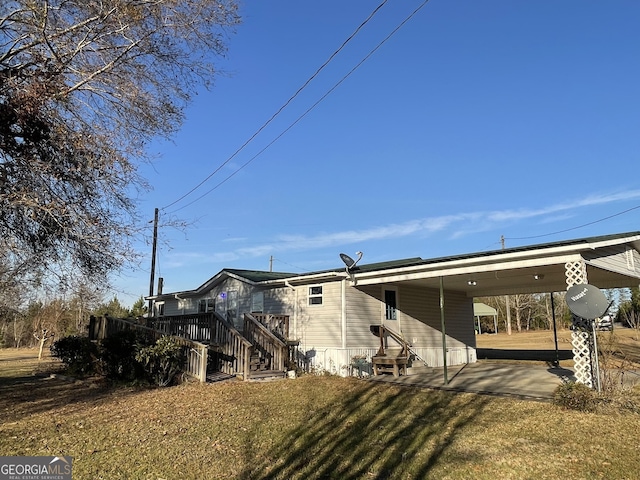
[{"x": 612, "y": 261}]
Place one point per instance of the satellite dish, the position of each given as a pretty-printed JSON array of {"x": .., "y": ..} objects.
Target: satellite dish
[
  {"x": 350, "y": 262},
  {"x": 586, "y": 301}
]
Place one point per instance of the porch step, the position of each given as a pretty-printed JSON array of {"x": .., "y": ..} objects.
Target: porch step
[
  {"x": 265, "y": 375},
  {"x": 388, "y": 363},
  {"x": 219, "y": 377}
]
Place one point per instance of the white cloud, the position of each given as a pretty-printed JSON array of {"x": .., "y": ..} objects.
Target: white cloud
[{"x": 454, "y": 226}]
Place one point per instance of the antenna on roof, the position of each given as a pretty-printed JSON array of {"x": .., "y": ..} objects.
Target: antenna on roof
[{"x": 350, "y": 262}]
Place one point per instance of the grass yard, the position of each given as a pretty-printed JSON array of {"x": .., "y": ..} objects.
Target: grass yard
[
  {"x": 307, "y": 428},
  {"x": 623, "y": 344}
]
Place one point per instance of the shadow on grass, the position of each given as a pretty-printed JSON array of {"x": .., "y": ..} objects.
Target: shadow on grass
[
  {"x": 24, "y": 395},
  {"x": 376, "y": 432}
]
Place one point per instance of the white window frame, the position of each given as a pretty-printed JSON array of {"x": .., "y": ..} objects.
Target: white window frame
[
  {"x": 383, "y": 312},
  {"x": 311, "y": 296},
  {"x": 208, "y": 305}
]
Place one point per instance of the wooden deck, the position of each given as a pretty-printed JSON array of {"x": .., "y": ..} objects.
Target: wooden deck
[{"x": 215, "y": 349}]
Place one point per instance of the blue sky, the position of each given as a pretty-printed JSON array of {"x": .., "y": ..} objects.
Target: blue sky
[{"x": 476, "y": 119}]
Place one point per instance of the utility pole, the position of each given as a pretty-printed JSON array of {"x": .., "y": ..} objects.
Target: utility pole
[
  {"x": 153, "y": 261},
  {"x": 507, "y": 305},
  {"x": 271, "y": 263}
]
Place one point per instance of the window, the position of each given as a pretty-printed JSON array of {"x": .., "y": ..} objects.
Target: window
[
  {"x": 161, "y": 309},
  {"x": 315, "y": 295},
  {"x": 390, "y": 303},
  {"x": 257, "y": 302},
  {"x": 205, "y": 305},
  {"x": 221, "y": 304}
]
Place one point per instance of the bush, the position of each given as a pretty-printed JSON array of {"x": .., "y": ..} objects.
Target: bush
[
  {"x": 162, "y": 361},
  {"x": 575, "y": 396},
  {"x": 118, "y": 355},
  {"x": 79, "y": 354}
]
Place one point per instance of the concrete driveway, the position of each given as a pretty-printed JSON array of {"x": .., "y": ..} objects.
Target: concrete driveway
[{"x": 533, "y": 382}]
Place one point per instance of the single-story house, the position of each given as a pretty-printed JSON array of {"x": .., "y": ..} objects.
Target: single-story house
[{"x": 428, "y": 302}]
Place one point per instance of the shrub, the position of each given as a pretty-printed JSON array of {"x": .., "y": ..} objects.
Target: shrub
[
  {"x": 118, "y": 355},
  {"x": 162, "y": 361},
  {"x": 78, "y": 354},
  {"x": 575, "y": 396}
]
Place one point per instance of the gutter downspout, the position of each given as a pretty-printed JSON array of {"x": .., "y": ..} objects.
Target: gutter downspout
[
  {"x": 295, "y": 308},
  {"x": 343, "y": 311}
]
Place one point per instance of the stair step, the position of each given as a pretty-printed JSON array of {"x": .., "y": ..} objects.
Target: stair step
[
  {"x": 219, "y": 377},
  {"x": 266, "y": 375}
]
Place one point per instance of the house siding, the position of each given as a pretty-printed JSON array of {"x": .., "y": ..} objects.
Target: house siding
[
  {"x": 418, "y": 320},
  {"x": 619, "y": 259},
  {"x": 319, "y": 326},
  {"x": 364, "y": 308}
]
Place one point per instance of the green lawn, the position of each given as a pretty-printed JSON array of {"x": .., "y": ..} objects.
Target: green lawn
[{"x": 310, "y": 427}]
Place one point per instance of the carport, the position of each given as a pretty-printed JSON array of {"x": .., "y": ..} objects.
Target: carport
[
  {"x": 610, "y": 261},
  {"x": 483, "y": 310}
]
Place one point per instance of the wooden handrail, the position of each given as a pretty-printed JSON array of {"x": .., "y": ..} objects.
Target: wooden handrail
[
  {"x": 235, "y": 348},
  {"x": 265, "y": 331},
  {"x": 269, "y": 345},
  {"x": 383, "y": 331},
  {"x": 277, "y": 324}
]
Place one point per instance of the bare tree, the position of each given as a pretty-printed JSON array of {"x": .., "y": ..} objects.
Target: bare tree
[{"x": 84, "y": 86}]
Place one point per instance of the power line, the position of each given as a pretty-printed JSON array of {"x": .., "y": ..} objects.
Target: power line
[
  {"x": 576, "y": 228},
  {"x": 294, "y": 266},
  {"x": 264, "y": 125},
  {"x": 306, "y": 112}
]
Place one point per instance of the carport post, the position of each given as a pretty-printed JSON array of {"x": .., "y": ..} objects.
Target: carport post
[
  {"x": 444, "y": 335},
  {"x": 555, "y": 330}
]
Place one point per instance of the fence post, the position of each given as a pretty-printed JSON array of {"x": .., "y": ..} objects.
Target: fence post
[{"x": 203, "y": 364}]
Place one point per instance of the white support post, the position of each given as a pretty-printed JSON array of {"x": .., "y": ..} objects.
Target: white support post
[{"x": 581, "y": 335}]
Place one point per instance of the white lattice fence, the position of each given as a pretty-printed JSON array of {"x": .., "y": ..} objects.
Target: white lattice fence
[{"x": 581, "y": 336}]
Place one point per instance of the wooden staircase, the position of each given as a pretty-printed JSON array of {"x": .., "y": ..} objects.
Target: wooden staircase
[
  {"x": 260, "y": 367},
  {"x": 392, "y": 358},
  {"x": 259, "y": 352}
]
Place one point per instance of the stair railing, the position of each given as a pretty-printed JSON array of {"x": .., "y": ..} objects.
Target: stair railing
[
  {"x": 264, "y": 341},
  {"x": 384, "y": 332},
  {"x": 234, "y": 350}
]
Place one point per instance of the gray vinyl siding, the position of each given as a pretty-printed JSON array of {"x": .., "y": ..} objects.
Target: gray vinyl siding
[
  {"x": 618, "y": 258},
  {"x": 364, "y": 308},
  {"x": 418, "y": 316},
  {"x": 320, "y": 326},
  {"x": 421, "y": 324},
  {"x": 279, "y": 301},
  {"x": 171, "y": 307}
]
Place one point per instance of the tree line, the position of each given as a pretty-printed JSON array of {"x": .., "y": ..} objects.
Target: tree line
[
  {"x": 527, "y": 312},
  {"x": 40, "y": 321}
]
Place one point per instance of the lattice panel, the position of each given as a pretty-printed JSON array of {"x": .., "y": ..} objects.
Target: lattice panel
[
  {"x": 576, "y": 273},
  {"x": 582, "y": 357}
]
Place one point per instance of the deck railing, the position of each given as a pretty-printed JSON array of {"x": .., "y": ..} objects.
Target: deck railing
[
  {"x": 195, "y": 353},
  {"x": 272, "y": 348},
  {"x": 278, "y": 324},
  {"x": 233, "y": 350},
  {"x": 197, "y": 326}
]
